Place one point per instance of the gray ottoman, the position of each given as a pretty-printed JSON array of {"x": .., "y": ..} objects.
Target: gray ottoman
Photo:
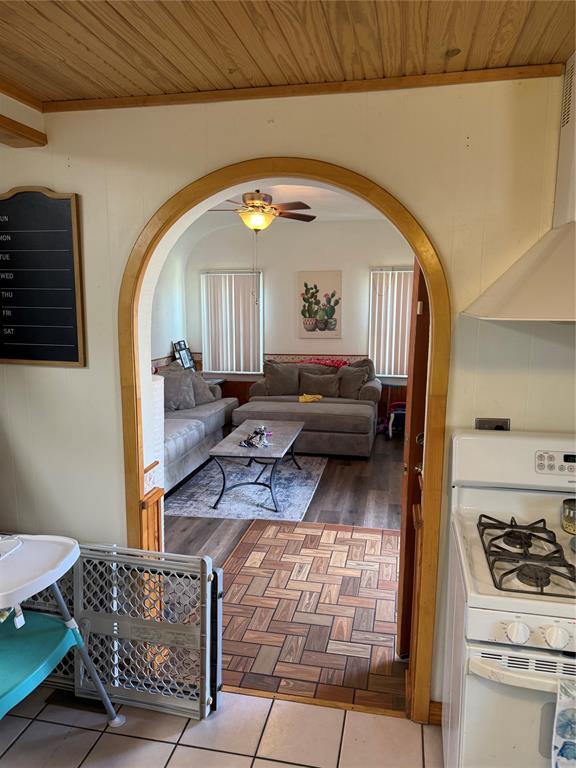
[{"x": 331, "y": 427}]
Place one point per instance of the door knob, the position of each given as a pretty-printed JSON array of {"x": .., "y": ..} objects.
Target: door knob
[{"x": 420, "y": 438}]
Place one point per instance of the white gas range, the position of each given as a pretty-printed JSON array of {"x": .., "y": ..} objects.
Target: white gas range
[{"x": 511, "y": 598}]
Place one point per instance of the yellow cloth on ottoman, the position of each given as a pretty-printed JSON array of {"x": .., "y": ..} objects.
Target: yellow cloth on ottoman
[{"x": 309, "y": 398}]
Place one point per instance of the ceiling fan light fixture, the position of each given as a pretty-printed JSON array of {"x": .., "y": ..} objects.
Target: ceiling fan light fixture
[{"x": 257, "y": 220}]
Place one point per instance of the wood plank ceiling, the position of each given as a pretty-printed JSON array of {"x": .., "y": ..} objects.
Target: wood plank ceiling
[{"x": 80, "y": 49}]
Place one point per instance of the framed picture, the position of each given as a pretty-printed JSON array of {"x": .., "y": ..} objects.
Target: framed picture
[
  {"x": 320, "y": 304},
  {"x": 183, "y": 354},
  {"x": 186, "y": 358}
]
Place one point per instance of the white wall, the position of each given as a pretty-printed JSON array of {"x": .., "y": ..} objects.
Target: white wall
[
  {"x": 169, "y": 307},
  {"x": 474, "y": 163},
  {"x": 283, "y": 250}
]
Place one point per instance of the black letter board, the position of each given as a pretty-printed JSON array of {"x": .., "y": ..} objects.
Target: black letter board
[{"x": 40, "y": 278}]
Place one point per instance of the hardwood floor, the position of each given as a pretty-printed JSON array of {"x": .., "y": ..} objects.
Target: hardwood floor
[
  {"x": 361, "y": 493},
  {"x": 205, "y": 537},
  {"x": 351, "y": 492}
]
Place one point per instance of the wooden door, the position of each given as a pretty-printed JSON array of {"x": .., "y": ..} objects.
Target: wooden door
[{"x": 413, "y": 457}]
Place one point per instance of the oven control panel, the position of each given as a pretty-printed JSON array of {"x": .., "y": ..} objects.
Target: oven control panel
[
  {"x": 555, "y": 463},
  {"x": 521, "y": 630}
]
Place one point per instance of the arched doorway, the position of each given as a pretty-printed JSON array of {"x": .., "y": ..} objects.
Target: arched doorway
[{"x": 195, "y": 194}]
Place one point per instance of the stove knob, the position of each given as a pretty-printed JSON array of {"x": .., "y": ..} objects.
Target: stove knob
[
  {"x": 518, "y": 632},
  {"x": 556, "y": 638}
]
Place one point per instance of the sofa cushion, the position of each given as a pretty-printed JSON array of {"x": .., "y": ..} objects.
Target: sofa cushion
[
  {"x": 351, "y": 380},
  {"x": 212, "y": 415},
  {"x": 311, "y": 384},
  {"x": 371, "y": 391},
  {"x": 318, "y": 417},
  {"x": 178, "y": 388},
  {"x": 365, "y": 363},
  {"x": 281, "y": 378},
  {"x": 202, "y": 392},
  {"x": 294, "y": 399},
  {"x": 319, "y": 370},
  {"x": 181, "y": 436}
]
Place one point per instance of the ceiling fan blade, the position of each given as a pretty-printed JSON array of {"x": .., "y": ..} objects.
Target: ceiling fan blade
[
  {"x": 235, "y": 202},
  {"x": 296, "y": 206},
  {"x": 296, "y": 216},
  {"x": 222, "y": 210}
]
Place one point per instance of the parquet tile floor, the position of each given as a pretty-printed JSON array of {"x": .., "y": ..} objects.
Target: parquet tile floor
[{"x": 310, "y": 610}]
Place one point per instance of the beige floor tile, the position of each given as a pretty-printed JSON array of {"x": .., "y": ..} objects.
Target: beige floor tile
[
  {"x": 32, "y": 704},
  {"x": 189, "y": 757},
  {"x": 45, "y": 745},
  {"x": 433, "y": 756},
  {"x": 151, "y": 725},
  {"x": 81, "y": 718},
  {"x": 125, "y": 752},
  {"x": 235, "y": 727},
  {"x": 10, "y": 728},
  {"x": 374, "y": 741},
  {"x": 302, "y": 733},
  {"x": 272, "y": 764}
]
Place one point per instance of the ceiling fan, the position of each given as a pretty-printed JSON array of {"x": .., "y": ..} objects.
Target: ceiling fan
[{"x": 257, "y": 211}]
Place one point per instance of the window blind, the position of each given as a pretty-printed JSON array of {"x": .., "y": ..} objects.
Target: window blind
[
  {"x": 390, "y": 305},
  {"x": 232, "y": 322}
]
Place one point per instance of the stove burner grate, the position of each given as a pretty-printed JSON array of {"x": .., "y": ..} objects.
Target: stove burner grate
[{"x": 528, "y": 554}]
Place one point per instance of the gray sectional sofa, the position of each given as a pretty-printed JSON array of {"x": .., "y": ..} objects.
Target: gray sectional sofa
[
  {"x": 189, "y": 433},
  {"x": 336, "y": 425}
]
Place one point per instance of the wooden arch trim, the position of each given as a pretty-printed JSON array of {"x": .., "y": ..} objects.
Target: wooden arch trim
[{"x": 440, "y": 334}]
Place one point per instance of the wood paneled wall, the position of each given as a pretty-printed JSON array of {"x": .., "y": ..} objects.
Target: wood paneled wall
[
  {"x": 391, "y": 393},
  {"x": 239, "y": 389}
]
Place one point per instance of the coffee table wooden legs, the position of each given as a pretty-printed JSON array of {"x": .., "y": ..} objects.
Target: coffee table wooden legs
[{"x": 270, "y": 485}]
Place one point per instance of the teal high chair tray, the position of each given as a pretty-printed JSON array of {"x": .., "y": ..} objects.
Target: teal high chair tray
[
  {"x": 29, "y": 654},
  {"x": 30, "y": 651}
]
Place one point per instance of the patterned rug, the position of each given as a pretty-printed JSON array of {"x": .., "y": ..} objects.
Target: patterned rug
[
  {"x": 310, "y": 610},
  {"x": 294, "y": 491}
]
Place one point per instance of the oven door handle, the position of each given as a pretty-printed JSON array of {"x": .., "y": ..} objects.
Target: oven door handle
[{"x": 519, "y": 679}]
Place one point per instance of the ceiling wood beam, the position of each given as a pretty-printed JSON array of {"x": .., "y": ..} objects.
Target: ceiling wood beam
[
  {"x": 310, "y": 89},
  {"x": 19, "y": 94},
  {"x": 18, "y": 135}
]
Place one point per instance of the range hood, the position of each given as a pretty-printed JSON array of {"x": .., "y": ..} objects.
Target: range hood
[{"x": 541, "y": 284}]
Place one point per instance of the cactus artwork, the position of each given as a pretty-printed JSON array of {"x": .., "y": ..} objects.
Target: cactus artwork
[
  {"x": 310, "y": 300},
  {"x": 320, "y": 294}
]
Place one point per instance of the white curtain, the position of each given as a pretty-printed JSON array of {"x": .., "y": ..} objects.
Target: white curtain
[
  {"x": 390, "y": 305},
  {"x": 232, "y": 322}
]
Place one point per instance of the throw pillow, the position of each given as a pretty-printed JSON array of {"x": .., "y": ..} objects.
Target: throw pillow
[
  {"x": 281, "y": 378},
  {"x": 351, "y": 381},
  {"x": 365, "y": 363},
  {"x": 317, "y": 370},
  {"x": 178, "y": 388},
  {"x": 311, "y": 384},
  {"x": 202, "y": 392}
]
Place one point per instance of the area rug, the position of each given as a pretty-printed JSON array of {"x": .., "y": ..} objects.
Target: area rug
[{"x": 294, "y": 491}]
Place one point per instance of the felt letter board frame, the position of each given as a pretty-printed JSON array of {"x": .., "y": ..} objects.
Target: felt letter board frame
[{"x": 41, "y": 297}]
